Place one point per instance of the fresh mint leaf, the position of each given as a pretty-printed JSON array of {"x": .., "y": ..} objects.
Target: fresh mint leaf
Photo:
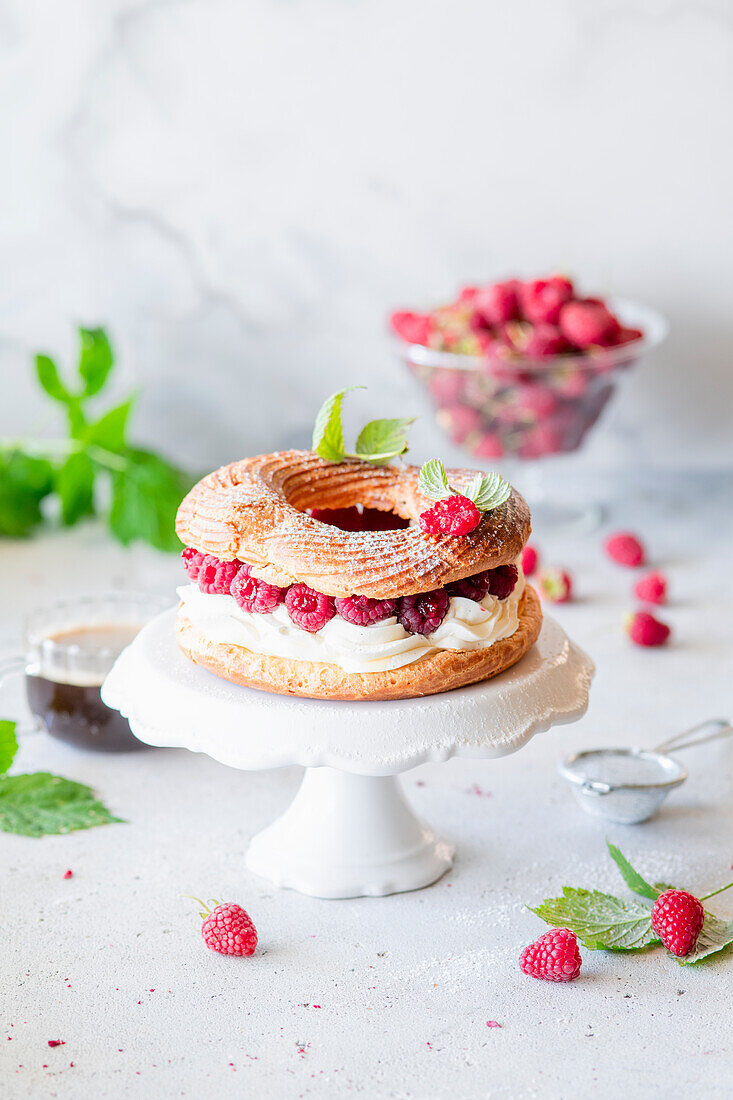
[
  {"x": 328, "y": 432},
  {"x": 39, "y": 803},
  {"x": 75, "y": 486},
  {"x": 8, "y": 744},
  {"x": 24, "y": 482},
  {"x": 632, "y": 878},
  {"x": 600, "y": 921},
  {"x": 488, "y": 491},
  {"x": 433, "y": 480},
  {"x": 715, "y": 935},
  {"x": 110, "y": 430},
  {"x": 146, "y": 493},
  {"x": 96, "y": 359},
  {"x": 50, "y": 380},
  {"x": 381, "y": 440}
]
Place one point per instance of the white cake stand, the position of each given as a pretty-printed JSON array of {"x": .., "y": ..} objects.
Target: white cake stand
[{"x": 349, "y": 831}]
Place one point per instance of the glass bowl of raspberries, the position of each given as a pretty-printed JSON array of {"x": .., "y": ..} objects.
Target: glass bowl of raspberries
[{"x": 521, "y": 370}]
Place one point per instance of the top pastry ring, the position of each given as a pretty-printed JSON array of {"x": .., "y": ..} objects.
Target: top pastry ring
[{"x": 255, "y": 511}]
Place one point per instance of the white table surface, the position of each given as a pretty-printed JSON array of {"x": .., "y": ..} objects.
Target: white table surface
[{"x": 381, "y": 997}]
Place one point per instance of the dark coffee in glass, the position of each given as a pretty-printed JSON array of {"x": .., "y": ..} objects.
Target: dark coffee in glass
[{"x": 70, "y": 648}]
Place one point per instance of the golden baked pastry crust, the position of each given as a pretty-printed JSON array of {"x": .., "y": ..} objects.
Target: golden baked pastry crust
[
  {"x": 442, "y": 671},
  {"x": 254, "y": 510}
]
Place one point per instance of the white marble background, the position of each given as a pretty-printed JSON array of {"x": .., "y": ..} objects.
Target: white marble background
[{"x": 242, "y": 188}]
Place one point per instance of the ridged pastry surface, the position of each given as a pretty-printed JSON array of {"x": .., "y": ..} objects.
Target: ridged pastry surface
[{"x": 255, "y": 510}]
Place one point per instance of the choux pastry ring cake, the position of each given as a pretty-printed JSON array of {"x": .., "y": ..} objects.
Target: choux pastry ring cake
[{"x": 343, "y": 577}]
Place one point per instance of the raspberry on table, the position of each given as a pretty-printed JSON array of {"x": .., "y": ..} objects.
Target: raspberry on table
[
  {"x": 456, "y": 515},
  {"x": 423, "y": 613},
  {"x": 253, "y": 594},
  {"x": 530, "y": 560},
  {"x": 308, "y": 609},
  {"x": 677, "y": 918},
  {"x": 652, "y": 588},
  {"x": 363, "y": 611},
  {"x": 192, "y": 561},
  {"x": 625, "y": 548},
  {"x": 471, "y": 588},
  {"x": 502, "y": 580},
  {"x": 555, "y": 585},
  {"x": 645, "y": 630},
  {"x": 229, "y": 930},
  {"x": 555, "y": 957}
]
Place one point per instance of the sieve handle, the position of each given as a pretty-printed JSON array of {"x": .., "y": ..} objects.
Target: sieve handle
[{"x": 698, "y": 735}]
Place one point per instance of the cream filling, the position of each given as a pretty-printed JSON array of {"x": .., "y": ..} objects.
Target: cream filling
[{"x": 377, "y": 648}]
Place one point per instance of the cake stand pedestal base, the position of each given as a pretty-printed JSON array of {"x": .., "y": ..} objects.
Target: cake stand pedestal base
[{"x": 345, "y": 836}]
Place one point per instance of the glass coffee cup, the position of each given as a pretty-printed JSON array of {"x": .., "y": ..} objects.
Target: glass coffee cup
[{"x": 70, "y": 646}]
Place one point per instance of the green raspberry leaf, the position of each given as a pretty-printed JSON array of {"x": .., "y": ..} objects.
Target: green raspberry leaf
[
  {"x": 50, "y": 380},
  {"x": 96, "y": 359},
  {"x": 600, "y": 921},
  {"x": 328, "y": 432},
  {"x": 24, "y": 482},
  {"x": 75, "y": 486},
  {"x": 488, "y": 491},
  {"x": 715, "y": 935},
  {"x": 110, "y": 430},
  {"x": 433, "y": 480},
  {"x": 8, "y": 744},
  {"x": 382, "y": 440},
  {"x": 39, "y": 804},
  {"x": 146, "y": 492},
  {"x": 632, "y": 878}
]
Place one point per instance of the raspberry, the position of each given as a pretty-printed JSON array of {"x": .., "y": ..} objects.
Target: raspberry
[
  {"x": 627, "y": 336},
  {"x": 587, "y": 323},
  {"x": 488, "y": 445},
  {"x": 456, "y": 515},
  {"x": 502, "y": 581},
  {"x": 652, "y": 588},
  {"x": 415, "y": 328},
  {"x": 215, "y": 577},
  {"x": 542, "y": 299},
  {"x": 363, "y": 611},
  {"x": 677, "y": 918},
  {"x": 497, "y": 303},
  {"x": 544, "y": 342},
  {"x": 228, "y": 929},
  {"x": 530, "y": 560},
  {"x": 310, "y": 610},
  {"x": 253, "y": 594},
  {"x": 625, "y": 549},
  {"x": 471, "y": 588},
  {"x": 192, "y": 562},
  {"x": 422, "y": 614},
  {"x": 554, "y": 957},
  {"x": 555, "y": 585},
  {"x": 645, "y": 630},
  {"x": 534, "y": 400},
  {"x": 459, "y": 421}
]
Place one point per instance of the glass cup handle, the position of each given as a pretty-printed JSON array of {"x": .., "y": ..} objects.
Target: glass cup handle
[{"x": 11, "y": 666}]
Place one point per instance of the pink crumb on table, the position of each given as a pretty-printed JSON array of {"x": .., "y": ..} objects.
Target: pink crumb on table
[
  {"x": 493, "y": 1023},
  {"x": 68, "y": 874},
  {"x": 57, "y": 1042}
]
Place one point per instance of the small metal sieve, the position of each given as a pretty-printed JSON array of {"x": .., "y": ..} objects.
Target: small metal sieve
[{"x": 628, "y": 785}]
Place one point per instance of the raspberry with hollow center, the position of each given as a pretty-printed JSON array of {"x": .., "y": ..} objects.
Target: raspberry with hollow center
[
  {"x": 471, "y": 588},
  {"x": 645, "y": 630},
  {"x": 229, "y": 930},
  {"x": 554, "y": 957},
  {"x": 423, "y": 613},
  {"x": 555, "y": 585},
  {"x": 502, "y": 581},
  {"x": 253, "y": 594},
  {"x": 363, "y": 611},
  {"x": 192, "y": 562},
  {"x": 310, "y": 610},
  {"x": 677, "y": 918},
  {"x": 216, "y": 576},
  {"x": 456, "y": 515}
]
